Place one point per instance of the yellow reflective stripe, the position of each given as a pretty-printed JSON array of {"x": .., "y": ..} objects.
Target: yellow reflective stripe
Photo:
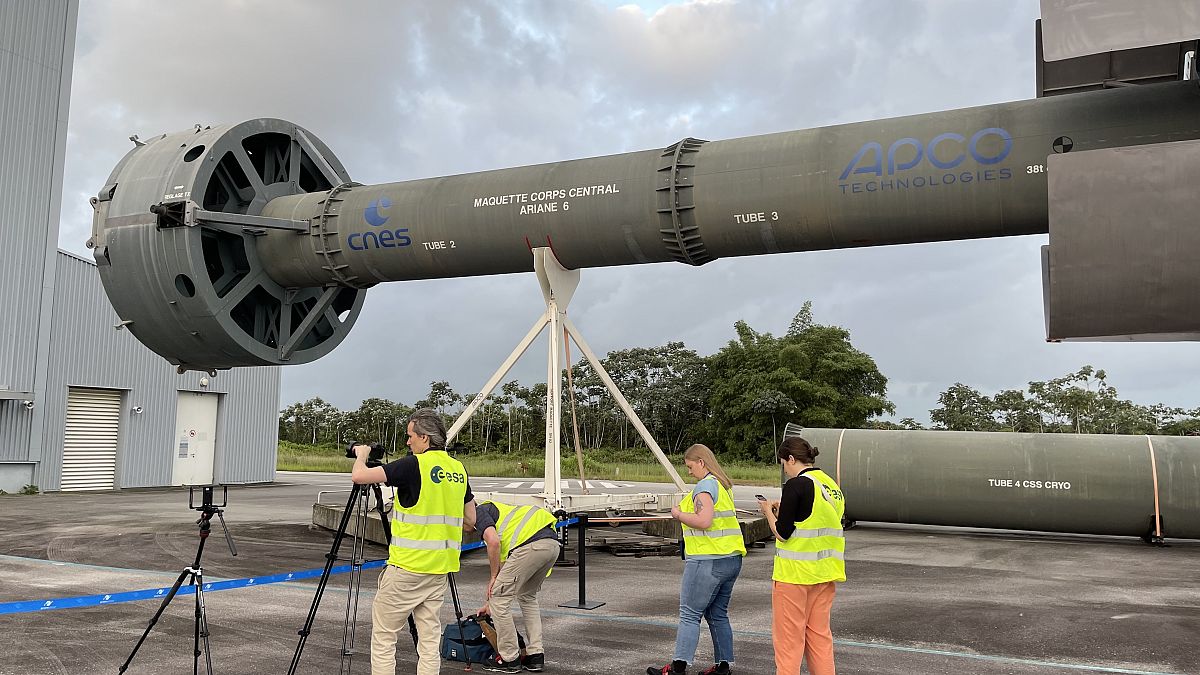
[
  {"x": 819, "y": 532},
  {"x": 507, "y": 517},
  {"x": 692, "y": 532},
  {"x": 724, "y": 534},
  {"x": 809, "y": 555},
  {"x": 513, "y": 540},
  {"x": 413, "y": 519},
  {"x": 426, "y": 537},
  {"x": 517, "y": 524},
  {"x": 425, "y": 544}
]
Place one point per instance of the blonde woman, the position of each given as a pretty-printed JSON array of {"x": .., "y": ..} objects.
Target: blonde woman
[{"x": 713, "y": 550}]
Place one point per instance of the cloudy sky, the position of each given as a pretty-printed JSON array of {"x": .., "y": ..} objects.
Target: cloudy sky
[{"x": 405, "y": 90}]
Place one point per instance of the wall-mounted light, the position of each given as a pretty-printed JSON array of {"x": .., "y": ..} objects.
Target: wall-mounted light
[
  {"x": 203, "y": 382},
  {"x": 28, "y": 405},
  {"x": 136, "y": 410}
]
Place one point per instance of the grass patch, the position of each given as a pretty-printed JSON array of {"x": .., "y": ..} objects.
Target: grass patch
[
  {"x": 599, "y": 464},
  {"x": 297, "y": 457}
]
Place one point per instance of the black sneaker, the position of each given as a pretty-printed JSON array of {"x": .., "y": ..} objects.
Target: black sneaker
[
  {"x": 721, "y": 668},
  {"x": 498, "y": 665},
  {"x": 673, "y": 668},
  {"x": 534, "y": 663}
]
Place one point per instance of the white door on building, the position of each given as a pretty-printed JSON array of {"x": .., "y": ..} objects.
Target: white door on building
[
  {"x": 195, "y": 438},
  {"x": 90, "y": 439}
]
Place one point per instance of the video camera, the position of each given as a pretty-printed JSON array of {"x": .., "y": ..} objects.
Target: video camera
[{"x": 374, "y": 458}]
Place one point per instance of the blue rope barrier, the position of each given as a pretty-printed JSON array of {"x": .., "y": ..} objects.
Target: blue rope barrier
[{"x": 76, "y": 602}]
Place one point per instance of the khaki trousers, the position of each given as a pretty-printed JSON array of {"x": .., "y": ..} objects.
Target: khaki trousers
[
  {"x": 402, "y": 593},
  {"x": 800, "y": 627},
  {"x": 520, "y": 579}
]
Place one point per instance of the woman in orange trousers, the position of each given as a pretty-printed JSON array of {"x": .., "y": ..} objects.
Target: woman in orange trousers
[{"x": 809, "y": 560}]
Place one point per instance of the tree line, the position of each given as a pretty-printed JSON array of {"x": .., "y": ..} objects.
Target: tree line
[
  {"x": 1082, "y": 402},
  {"x": 737, "y": 401}
]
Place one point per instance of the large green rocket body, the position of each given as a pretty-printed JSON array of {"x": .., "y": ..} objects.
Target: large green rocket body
[
  {"x": 963, "y": 174},
  {"x": 249, "y": 245}
]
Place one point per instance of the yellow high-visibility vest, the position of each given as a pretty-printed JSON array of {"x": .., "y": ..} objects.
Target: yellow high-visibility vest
[
  {"x": 815, "y": 553},
  {"x": 427, "y": 537},
  {"x": 516, "y": 524},
  {"x": 723, "y": 537}
]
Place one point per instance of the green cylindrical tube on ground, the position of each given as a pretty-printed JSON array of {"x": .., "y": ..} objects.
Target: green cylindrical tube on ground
[{"x": 1078, "y": 483}]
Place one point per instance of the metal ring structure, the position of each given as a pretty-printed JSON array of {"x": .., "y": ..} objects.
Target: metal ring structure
[
  {"x": 175, "y": 234},
  {"x": 676, "y": 206}
]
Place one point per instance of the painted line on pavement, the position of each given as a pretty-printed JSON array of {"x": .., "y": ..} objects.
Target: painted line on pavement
[
  {"x": 79, "y": 601},
  {"x": 881, "y": 645}
]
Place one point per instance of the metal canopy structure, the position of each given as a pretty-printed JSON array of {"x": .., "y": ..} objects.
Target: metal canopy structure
[
  {"x": 1072, "y": 28},
  {"x": 1116, "y": 241},
  {"x": 1121, "y": 262},
  {"x": 1127, "y": 67}
]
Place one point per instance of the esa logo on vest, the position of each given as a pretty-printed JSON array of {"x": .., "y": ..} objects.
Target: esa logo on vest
[{"x": 437, "y": 474}]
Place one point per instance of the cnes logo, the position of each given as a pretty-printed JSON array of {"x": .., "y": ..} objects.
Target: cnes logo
[{"x": 437, "y": 474}]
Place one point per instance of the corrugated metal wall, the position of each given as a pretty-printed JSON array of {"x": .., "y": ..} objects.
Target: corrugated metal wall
[
  {"x": 15, "y": 421},
  {"x": 34, "y": 35},
  {"x": 86, "y": 351}
]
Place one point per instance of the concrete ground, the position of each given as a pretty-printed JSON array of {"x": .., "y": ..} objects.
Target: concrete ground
[{"x": 919, "y": 600}]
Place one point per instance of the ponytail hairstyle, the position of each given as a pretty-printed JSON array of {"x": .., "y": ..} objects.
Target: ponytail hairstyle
[
  {"x": 799, "y": 449},
  {"x": 427, "y": 422},
  {"x": 701, "y": 453}
]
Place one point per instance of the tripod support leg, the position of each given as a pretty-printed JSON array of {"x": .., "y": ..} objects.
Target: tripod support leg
[
  {"x": 154, "y": 619},
  {"x": 201, "y": 630},
  {"x": 330, "y": 558},
  {"x": 458, "y": 615}
]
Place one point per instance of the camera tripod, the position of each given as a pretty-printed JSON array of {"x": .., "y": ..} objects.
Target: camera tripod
[
  {"x": 357, "y": 507},
  {"x": 207, "y": 510}
]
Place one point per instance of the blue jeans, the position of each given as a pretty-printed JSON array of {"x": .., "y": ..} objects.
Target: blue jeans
[{"x": 707, "y": 586}]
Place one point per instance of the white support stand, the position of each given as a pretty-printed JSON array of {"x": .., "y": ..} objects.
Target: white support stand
[{"x": 558, "y": 286}]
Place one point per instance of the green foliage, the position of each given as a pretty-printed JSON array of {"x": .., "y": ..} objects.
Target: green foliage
[
  {"x": 812, "y": 375},
  {"x": 626, "y": 464},
  {"x": 963, "y": 409},
  {"x": 30, "y": 490},
  {"x": 1083, "y": 402},
  {"x": 736, "y": 401},
  {"x": 302, "y": 457},
  {"x": 906, "y": 424},
  {"x": 667, "y": 386}
]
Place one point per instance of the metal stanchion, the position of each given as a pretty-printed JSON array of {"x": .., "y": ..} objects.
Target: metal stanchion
[
  {"x": 564, "y": 540},
  {"x": 582, "y": 603}
]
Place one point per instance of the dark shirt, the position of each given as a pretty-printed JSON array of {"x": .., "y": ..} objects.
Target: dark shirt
[
  {"x": 486, "y": 515},
  {"x": 796, "y": 503},
  {"x": 404, "y": 474}
]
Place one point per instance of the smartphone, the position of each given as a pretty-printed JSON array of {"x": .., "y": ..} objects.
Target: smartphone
[{"x": 760, "y": 498}]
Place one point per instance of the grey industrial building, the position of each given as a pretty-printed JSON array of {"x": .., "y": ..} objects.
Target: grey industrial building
[{"x": 84, "y": 405}]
